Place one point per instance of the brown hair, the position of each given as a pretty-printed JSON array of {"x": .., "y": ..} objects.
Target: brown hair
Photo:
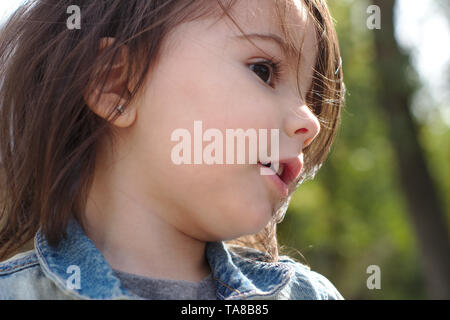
[{"x": 49, "y": 136}]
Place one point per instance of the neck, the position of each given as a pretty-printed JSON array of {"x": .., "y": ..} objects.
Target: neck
[{"x": 134, "y": 237}]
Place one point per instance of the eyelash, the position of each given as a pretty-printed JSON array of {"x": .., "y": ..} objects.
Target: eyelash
[{"x": 275, "y": 68}]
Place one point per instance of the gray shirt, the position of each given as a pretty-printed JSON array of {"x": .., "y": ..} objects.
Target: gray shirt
[{"x": 168, "y": 289}]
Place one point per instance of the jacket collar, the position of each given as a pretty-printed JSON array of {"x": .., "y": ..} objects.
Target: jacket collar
[
  {"x": 240, "y": 273},
  {"x": 76, "y": 253},
  {"x": 237, "y": 276}
]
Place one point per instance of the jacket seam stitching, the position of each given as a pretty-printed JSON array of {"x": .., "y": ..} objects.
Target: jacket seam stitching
[
  {"x": 20, "y": 267},
  {"x": 227, "y": 286}
]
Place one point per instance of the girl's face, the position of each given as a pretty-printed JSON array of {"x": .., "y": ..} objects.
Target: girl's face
[{"x": 208, "y": 72}]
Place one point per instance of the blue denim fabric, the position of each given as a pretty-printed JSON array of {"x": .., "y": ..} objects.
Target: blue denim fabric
[{"x": 45, "y": 273}]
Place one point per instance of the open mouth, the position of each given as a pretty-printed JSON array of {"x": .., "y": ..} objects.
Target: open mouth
[{"x": 288, "y": 171}]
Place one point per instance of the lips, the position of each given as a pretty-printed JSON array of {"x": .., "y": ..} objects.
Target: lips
[
  {"x": 289, "y": 170},
  {"x": 292, "y": 169}
]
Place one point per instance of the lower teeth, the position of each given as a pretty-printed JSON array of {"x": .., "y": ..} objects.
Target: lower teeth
[{"x": 269, "y": 165}]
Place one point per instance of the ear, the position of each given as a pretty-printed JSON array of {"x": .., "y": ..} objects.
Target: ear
[{"x": 103, "y": 100}]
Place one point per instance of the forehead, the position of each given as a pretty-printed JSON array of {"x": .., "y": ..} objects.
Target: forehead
[{"x": 288, "y": 19}]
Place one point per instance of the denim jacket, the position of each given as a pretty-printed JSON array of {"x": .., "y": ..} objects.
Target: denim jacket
[{"x": 76, "y": 269}]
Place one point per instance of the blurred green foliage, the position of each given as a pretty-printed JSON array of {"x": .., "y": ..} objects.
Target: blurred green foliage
[{"x": 353, "y": 214}]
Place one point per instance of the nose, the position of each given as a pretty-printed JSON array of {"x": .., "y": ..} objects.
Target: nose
[{"x": 302, "y": 122}]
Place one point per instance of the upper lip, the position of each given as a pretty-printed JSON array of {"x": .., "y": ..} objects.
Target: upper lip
[{"x": 292, "y": 170}]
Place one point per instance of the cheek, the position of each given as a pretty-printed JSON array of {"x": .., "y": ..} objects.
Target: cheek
[
  {"x": 221, "y": 92},
  {"x": 226, "y": 201},
  {"x": 215, "y": 201}
]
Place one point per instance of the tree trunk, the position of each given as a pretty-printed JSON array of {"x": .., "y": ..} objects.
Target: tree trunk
[{"x": 425, "y": 209}]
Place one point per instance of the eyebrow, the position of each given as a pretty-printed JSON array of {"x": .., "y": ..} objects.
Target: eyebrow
[{"x": 268, "y": 37}]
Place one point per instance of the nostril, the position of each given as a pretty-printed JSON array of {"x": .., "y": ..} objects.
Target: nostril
[{"x": 302, "y": 130}]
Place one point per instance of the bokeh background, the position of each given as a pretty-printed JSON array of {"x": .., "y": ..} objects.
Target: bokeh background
[{"x": 382, "y": 196}]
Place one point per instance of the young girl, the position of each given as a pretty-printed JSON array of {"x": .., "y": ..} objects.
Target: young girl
[{"x": 91, "y": 95}]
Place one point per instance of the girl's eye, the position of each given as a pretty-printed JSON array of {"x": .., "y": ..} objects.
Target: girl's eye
[{"x": 267, "y": 70}]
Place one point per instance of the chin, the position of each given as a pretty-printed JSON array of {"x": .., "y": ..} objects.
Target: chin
[
  {"x": 253, "y": 219},
  {"x": 239, "y": 214}
]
